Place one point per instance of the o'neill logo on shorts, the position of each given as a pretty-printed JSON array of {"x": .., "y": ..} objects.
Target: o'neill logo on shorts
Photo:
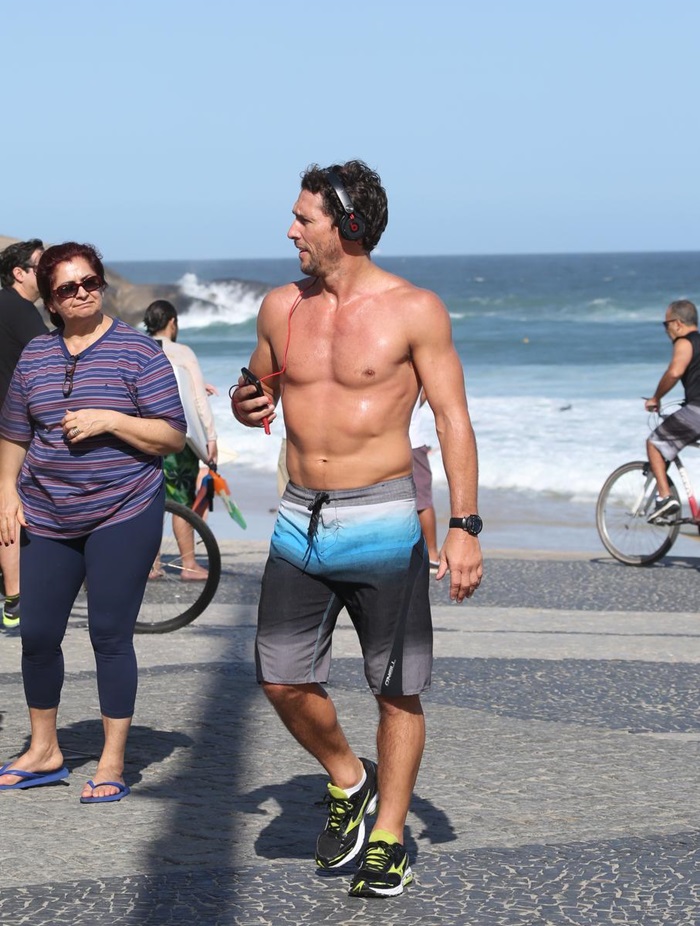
[{"x": 387, "y": 679}]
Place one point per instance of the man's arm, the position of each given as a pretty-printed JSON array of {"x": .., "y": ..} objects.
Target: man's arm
[
  {"x": 440, "y": 371},
  {"x": 682, "y": 355},
  {"x": 246, "y": 406}
]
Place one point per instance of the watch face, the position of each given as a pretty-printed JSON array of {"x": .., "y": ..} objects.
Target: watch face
[{"x": 474, "y": 524}]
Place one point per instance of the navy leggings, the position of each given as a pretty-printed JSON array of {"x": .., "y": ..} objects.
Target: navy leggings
[{"x": 115, "y": 561}]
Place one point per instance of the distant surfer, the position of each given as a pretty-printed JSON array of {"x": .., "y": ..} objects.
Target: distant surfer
[{"x": 181, "y": 469}]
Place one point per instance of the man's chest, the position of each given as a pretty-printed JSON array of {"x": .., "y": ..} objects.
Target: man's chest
[{"x": 347, "y": 349}]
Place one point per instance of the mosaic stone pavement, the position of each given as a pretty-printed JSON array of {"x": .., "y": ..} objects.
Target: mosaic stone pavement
[{"x": 559, "y": 785}]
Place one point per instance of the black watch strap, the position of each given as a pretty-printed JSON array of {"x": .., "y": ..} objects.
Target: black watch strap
[{"x": 471, "y": 523}]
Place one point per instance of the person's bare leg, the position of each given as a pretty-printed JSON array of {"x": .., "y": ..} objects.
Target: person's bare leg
[
  {"x": 309, "y": 714},
  {"x": 9, "y": 563},
  {"x": 184, "y": 534},
  {"x": 111, "y": 764},
  {"x": 400, "y": 744},
  {"x": 44, "y": 753},
  {"x": 428, "y": 526},
  {"x": 658, "y": 468}
]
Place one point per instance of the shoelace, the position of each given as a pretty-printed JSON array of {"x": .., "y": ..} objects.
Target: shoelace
[
  {"x": 339, "y": 809},
  {"x": 377, "y": 856}
]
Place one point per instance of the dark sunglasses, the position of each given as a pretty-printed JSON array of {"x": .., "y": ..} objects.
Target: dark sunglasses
[
  {"x": 69, "y": 290},
  {"x": 70, "y": 371},
  {"x": 666, "y": 324}
]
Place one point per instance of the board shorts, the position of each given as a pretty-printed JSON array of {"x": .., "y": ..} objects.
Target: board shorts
[
  {"x": 677, "y": 431},
  {"x": 423, "y": 478},
  {"x": 180, "y": 471},
  {"x": 359, "y": 549}
]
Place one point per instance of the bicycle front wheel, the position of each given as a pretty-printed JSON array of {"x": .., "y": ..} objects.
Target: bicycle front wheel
[
  {"x": 624, "y": 504},
  {"x": 171, "y": 600}
]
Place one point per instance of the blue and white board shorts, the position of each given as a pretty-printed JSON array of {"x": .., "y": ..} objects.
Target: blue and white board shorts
[
  {"x": 359, "y": 549},
  {"x": 677, "y": 431}
]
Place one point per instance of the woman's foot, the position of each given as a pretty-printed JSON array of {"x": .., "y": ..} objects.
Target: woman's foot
[
  {"x": 34, "y": 760},
  {"x": 194, "y": 573},
  {"x": 103, "y": 774}
]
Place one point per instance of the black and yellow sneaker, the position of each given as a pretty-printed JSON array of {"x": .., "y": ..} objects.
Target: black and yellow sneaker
[
  {"x": 344, "y": 832},
  {"x": 10, "y": 612},
  {"x": 383, "y": 870}
]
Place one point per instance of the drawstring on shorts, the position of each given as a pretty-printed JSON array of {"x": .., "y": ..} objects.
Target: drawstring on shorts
[{"x": 321, "y": 498}]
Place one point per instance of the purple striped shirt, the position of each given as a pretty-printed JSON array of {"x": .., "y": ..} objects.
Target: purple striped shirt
[{"x": 73, "y": 490}]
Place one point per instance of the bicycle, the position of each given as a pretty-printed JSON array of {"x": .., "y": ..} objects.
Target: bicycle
[
  {"x": 626, "y": 501},
  {"x": 169, "y": 601}
]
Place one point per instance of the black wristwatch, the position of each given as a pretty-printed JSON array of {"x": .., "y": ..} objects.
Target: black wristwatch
[{"x": 472, "y": 524}]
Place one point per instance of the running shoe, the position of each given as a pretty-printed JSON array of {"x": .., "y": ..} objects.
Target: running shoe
[
  {"x": 664, "y": 508},
  {"x": 10, "y": 612},
  {"x": 383, "y": 871},
  {"x": 344, "y": 833}
]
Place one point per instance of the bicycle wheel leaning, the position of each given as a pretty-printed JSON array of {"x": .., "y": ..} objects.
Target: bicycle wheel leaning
[
  {"x": 624, "y": 504},
  {"x": 170, "y": 601}
]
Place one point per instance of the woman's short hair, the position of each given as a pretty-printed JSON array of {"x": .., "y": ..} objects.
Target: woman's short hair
[{"x": 60, "y": 254}]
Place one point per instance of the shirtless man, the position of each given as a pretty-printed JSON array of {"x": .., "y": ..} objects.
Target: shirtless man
[{"x": 347, "y": 351}]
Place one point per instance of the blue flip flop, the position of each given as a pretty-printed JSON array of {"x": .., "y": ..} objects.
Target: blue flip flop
[
  {"x": 31, "y": 779},
  {"x": 108, "y": 798}
]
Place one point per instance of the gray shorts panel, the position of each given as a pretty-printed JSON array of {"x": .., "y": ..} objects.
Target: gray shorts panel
[{"x": 677, "y": 431}]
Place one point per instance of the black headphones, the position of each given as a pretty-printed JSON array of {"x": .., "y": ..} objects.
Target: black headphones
[{"x": 352, "y": 224}]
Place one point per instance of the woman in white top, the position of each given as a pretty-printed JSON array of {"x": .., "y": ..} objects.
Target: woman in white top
[{"x": 181, "y": 469}]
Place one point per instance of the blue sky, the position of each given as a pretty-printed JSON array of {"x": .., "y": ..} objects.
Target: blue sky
[{"x": 166, "y": 129}]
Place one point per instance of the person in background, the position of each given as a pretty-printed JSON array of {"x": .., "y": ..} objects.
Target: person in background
[
  {"x": 421, "y": 433},
  {"x": 92, "y": 408},
  {"x": 347, "y": 352},
  {"x": 682, "y": 427},
  {"x": 19, "y": 323},
  {"x": 182, "y": 468},
  {"x": 282, "y": 471}
]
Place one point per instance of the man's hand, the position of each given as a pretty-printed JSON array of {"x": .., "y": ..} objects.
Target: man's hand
[
  {"x": 250, "y": 408},
  {"x": 461, "y": 556},
  {"x": 652, "y": 404}
]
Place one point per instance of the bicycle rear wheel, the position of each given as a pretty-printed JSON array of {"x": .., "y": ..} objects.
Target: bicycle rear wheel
[
  {"x": 624, "y": 503},
  {"x": 170, "y": 601}
]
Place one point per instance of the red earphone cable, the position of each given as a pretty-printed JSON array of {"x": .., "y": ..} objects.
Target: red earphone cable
[{"x": 289, "y": 331}]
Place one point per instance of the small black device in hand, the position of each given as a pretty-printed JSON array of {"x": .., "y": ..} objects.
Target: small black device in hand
[{"x": 252, "y": 380}]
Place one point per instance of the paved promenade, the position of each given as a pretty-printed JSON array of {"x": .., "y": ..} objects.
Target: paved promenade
[{"x": 559, "y": 786}]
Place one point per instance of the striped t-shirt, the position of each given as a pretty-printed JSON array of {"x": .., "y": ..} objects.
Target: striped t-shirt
[{"x": 73, "y": 490}]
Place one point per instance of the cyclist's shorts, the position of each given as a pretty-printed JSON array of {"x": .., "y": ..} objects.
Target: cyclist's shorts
[
  {"x": 677, "y": 431},
  {"x": 361, "y": 549},
  {"x": 180, "y": 471}
]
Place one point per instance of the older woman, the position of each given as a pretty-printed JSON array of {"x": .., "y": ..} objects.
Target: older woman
[{"x": 92, "y": 408}]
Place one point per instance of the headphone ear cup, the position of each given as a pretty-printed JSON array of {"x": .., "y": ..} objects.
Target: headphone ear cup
[{"x": 352, "y": 227}]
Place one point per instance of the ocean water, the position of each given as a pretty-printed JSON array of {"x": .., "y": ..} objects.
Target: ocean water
[{"x": 557, "y": 352}]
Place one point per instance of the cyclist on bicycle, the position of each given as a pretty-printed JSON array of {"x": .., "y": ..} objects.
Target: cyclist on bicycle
[{"x": 682, "y": 427}]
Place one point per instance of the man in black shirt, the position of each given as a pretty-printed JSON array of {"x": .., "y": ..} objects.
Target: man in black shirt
[
  {"x": 682, "y": 427},
  {"x": 19, "y": 323}
]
